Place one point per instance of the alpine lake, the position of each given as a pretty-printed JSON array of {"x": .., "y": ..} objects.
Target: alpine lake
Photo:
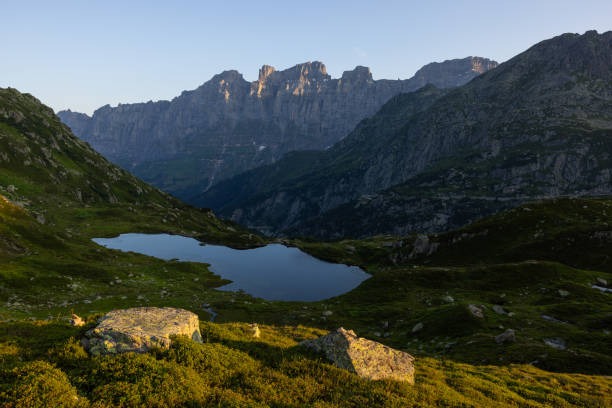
[{"x": 272, "y": 272}]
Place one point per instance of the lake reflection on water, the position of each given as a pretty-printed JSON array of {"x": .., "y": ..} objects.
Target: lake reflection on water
[{"x": 273, "y": 272}]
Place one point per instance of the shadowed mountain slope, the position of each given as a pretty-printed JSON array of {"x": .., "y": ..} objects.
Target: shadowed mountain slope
[{"x": 539, "y": 125}]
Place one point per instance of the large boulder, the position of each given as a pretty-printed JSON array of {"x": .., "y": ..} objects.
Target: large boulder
[
  {"x": 366, "y": 358},
  {"x": 139, "y": 329}
]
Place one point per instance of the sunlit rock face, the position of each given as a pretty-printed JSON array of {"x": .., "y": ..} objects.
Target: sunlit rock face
[
  {"x": 229, "y": 125},
  {"x": 139, "y": 329},
  {"x": 366, "y": 358}
]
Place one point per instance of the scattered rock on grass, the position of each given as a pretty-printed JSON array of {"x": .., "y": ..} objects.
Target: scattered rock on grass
[
  {"x": 499, "y": 310},
  {"x": 367, "y": 358},
  {"x": 475, "y": 311},
  {"x": 139, "y": 329},
  {"x": 506, "y": 337},
  {"x": 555, "y": 342}
]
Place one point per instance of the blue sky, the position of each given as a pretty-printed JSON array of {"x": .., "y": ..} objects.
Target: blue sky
[{"x": 84, "y": 54}]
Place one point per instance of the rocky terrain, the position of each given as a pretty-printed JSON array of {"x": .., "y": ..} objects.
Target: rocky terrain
[
  {"x": 536, "y": 126},
  {"x": 229, "y": 125}
]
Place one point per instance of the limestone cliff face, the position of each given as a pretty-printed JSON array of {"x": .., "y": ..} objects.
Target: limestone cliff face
[
  {"x": 539, "y": 125},
  {"x": 229, "y": 125}
]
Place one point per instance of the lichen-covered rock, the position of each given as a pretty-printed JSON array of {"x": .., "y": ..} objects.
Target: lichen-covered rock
[
  {"x": 366, "y": 358},
  {"x": 140, "y": 328}
]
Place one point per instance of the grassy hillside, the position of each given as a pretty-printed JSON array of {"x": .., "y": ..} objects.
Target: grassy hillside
[
  {"x": 56, "y": 193},
  {"x": 43, "y": 365},
  {"x": 538, "y": 262}
]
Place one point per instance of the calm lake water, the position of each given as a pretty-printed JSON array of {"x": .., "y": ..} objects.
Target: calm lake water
[{"x": 273, "y": 272}]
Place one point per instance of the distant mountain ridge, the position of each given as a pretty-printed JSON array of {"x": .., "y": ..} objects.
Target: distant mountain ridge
[
  {"x": 539, "y": 125},
  {"x": 229, "y": 125}
]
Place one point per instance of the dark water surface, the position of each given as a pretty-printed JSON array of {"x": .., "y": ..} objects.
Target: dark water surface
[{"x": 273, "y": 272}]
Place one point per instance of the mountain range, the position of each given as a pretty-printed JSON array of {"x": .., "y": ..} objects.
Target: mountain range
[
  {"x": 536, "y": 126},
  {"x": 230, "y": 125}
]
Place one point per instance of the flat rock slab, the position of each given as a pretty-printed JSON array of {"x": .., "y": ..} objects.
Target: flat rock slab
[
  {"x": 366, "y": 358},
  {"x": 139, "y": 329}
]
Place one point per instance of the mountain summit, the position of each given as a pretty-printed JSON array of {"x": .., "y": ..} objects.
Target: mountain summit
[
  {"x": 537, "y": 126},
  {"x": 229, "y": 125}
]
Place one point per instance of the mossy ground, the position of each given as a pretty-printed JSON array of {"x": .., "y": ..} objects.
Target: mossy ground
[{"x": 44, "y": 365}]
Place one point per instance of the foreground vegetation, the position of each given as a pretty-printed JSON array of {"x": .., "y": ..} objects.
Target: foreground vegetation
[{"x": 44, "y": 365}]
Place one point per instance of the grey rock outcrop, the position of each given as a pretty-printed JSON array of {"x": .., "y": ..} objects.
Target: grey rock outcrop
[
  {"x": 499, "y": 310},
  {"x": 475, "y": 311},
  {"x": 229, "y": 125},
  {"x": 506, "y": 337},
  {"x": 555, "y": 342},
  {"x": 433, "y": 160},
  {"x": 138, "y": 329},
  {"x": 366, "y": 358}
]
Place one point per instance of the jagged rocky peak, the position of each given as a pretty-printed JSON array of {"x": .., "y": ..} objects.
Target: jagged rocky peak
[
  {"x": 297, "y": 108},
  {"x": 443, "y": 74},
  {"x": 314, "y": 70},
  {"x": 228, "y": 76},
  {"x": 590, "y": 52},
  {"x": 482, "y": 65},
  {"x": 360, "y": 73},
  {"x": 265, "y": 71}
]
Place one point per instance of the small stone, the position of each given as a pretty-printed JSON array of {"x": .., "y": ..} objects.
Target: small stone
[
  {"x": 563, "y": 293},
  {"x": 555, "y": 342},
  {"x": 506, "y": 337},
  {"x": 254, "y": 328},
  {"x": 417, "y": 327},
  {"x": 602, "y": 282},
  {"x": 475, "y": 311},
  {"x": 327, "y": 313},
  {"x": 448, "y": 299},
  {"x": 366, "y": 358},
  {"x": 385, "y": 324},
  {"x": 499, "y": 310},
  {"x": 76, "y": 321}
]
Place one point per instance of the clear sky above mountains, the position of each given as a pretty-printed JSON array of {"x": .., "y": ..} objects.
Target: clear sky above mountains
[{"x": 82, "y": 55}]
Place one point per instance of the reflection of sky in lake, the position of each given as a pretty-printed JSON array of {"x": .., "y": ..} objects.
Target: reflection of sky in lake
[{"x": 273, "y": 272}]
